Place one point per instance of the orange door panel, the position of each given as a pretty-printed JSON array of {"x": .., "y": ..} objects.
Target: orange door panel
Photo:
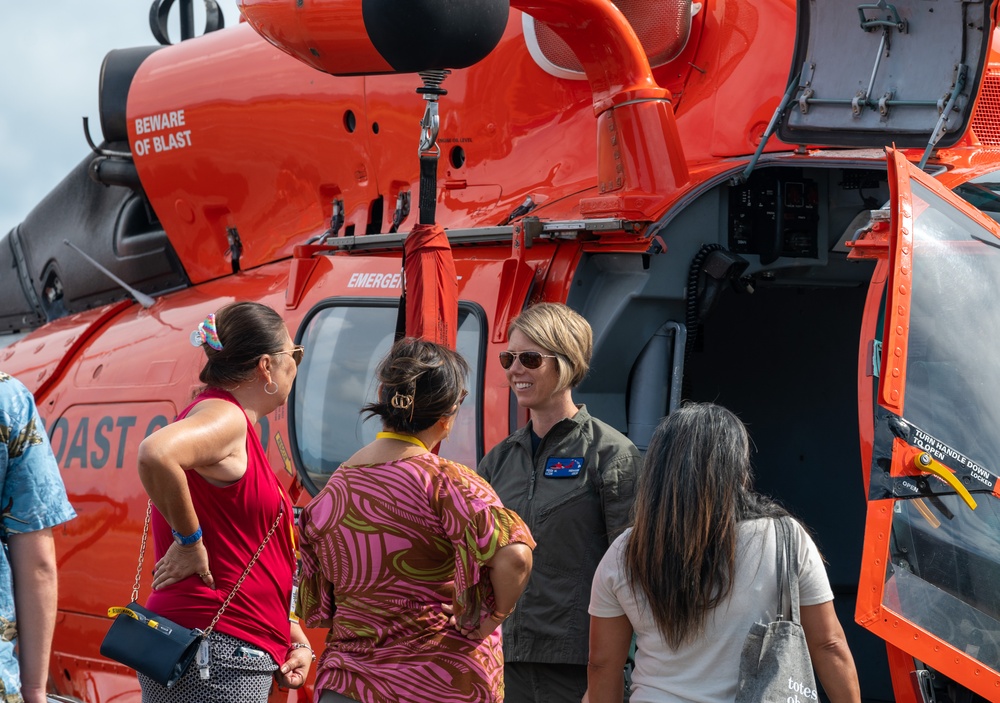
[{"x": 932, "y": 543}]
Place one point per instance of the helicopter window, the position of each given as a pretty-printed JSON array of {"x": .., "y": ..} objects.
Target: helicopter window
[
  {"x": 943, "y": 570},
  {"x": 345, "y": 342},
  {"x": 983, "y": 193},
  {"x": 956, "y": 272},
  {"x": 944, "y": 557}
]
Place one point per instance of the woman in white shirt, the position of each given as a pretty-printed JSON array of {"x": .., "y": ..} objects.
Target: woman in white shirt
[{"x": 697, "y": 570}]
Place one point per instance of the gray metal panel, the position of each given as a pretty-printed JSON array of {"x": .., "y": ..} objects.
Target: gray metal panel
[{"x": 887, "y": 78}]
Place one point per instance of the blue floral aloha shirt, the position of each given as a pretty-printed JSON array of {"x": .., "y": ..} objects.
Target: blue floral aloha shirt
[{"x": 32, "y": 497}]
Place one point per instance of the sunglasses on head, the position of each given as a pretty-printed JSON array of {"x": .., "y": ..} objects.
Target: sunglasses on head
[
  {"x": 297, "y": 353},
  {"x": 528, "y": 359}
]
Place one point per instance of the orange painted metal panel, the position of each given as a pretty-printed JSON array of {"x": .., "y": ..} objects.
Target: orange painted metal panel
[{"x": 900, "y": 285}]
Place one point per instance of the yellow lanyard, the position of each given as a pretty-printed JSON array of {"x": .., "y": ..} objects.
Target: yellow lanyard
[
  {"x": 409, "y": 439},
  {"x": 291, "y": 524}
]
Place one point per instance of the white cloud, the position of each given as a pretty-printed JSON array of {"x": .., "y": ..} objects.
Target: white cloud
[{"x": 50, "y": 61}]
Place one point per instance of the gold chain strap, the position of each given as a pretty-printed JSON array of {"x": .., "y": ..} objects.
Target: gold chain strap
[
  {"x": 142, "y": 553},
  {"x": 246, "y": 571},
  {"x": 232, "y": 593}
]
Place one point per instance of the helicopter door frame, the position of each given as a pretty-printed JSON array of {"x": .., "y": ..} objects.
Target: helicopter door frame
[{"x": 932, "y": 534}]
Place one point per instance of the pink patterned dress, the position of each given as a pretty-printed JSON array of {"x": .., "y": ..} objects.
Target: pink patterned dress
[{"x": 383, "y": 547}]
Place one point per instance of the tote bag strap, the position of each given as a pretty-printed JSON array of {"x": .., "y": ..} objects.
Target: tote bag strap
[
  {"x": 232, "y": 593},
  {"x": 787, "y": 553},
  {"x": 779, "y": 568}
]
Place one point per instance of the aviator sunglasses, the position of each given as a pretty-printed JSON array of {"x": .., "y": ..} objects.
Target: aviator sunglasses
[
  {"x": 297, "y": 353},
  {"x": 528, "y": 359}
]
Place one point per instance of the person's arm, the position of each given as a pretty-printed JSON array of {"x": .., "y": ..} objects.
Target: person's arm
[
  {"x": 610, "y": 639},
  {"x": 202, "y": 441},
  {"x": 33, "y": 563},
  {"x": 295, "y": 668},
  {"x": 830, "y": 654},
  {"x": 510, "y": 568},
  {"x": 618, "y": 483}
]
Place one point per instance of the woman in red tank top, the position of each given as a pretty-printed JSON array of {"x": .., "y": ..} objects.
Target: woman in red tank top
[{"x": 216, "y": 500}]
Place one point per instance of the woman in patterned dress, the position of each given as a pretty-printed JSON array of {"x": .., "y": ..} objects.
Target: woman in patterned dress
[{"x": 409, "y": 559}]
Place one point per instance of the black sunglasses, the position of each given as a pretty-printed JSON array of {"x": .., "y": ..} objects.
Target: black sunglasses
[
  {"x": 528, "y": 359},
  {"x": 297, "y": 353}
]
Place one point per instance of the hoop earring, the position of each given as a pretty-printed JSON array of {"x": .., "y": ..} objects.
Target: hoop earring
[{"x": 271, "y": 383}]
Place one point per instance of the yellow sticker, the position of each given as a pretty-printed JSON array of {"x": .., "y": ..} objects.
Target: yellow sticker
[
  {"x": 118, "y": 610},
  {"x": 280, "y": 443}
]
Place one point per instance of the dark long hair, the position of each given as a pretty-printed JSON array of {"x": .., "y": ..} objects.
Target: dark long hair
[
  {"x": 247, "y": 331},
  {"x": 693, "y": 491},
  {"x": 419, "y": 383}
]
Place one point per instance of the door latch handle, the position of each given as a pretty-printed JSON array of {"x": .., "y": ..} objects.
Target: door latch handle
[{"x": 928, "y": 464}]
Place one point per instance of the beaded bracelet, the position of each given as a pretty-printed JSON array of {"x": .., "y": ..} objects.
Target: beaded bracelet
[{"x": 302, "y": 645}]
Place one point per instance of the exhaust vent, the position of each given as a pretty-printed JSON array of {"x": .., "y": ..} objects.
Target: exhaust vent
[
  {"x": 986, "y": 119},
  {"x": 663, "y": 28}
]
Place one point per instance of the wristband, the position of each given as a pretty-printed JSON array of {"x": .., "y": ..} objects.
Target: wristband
[
  {"x": 302, "y": 645},
  {"x": 500, "y": 617},
  {"x": 189, "y": 539}
]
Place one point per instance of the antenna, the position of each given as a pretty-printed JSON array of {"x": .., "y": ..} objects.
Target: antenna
[{"x": 141, "y": 298}]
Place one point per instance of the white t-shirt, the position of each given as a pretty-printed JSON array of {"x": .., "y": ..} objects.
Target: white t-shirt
[{"x": 706, "y": 669}]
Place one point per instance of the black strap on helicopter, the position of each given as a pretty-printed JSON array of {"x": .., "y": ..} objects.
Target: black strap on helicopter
[
  {"x": 430, "y": 151},
  {"x": 429, "y": 148},
  {"x": 159, "y": 14}
]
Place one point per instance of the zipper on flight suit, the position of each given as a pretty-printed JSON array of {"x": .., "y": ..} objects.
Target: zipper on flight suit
[{"x": 534, "y": 467}]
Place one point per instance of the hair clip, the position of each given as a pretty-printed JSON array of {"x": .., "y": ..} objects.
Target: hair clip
[
  {"x": 401, "y": 402},
  {"x": 207, "y": 334}
]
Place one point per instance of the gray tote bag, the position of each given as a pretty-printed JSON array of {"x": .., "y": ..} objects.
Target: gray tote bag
[{"x": 775, "y": 666}]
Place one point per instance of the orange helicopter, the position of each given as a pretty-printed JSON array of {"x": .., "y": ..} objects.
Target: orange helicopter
[{"x": 789, "y": 210}]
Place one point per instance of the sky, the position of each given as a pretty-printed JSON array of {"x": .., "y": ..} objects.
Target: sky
[{"x": 50, "y": 62}]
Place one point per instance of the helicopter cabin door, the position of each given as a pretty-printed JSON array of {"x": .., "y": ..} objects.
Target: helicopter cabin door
[{"x": 930, "y": 581}]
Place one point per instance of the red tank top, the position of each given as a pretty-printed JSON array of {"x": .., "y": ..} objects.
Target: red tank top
[{"x": 234, "y": 520}]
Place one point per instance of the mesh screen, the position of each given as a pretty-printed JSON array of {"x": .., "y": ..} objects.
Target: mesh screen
[
  {"x": 661, "y": 25},
  {"x": 986, "y": 120}
]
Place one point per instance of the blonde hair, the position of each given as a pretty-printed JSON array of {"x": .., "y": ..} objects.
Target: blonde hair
[{"x": 562, "y": 331}]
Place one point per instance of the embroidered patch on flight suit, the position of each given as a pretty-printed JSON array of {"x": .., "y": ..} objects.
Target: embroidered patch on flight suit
[{"x": 563, "y": 467}]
